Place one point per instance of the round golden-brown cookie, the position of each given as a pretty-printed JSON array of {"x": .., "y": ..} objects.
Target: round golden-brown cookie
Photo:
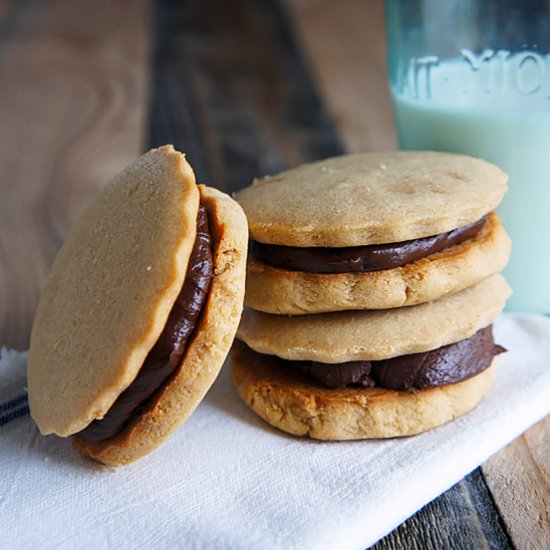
[
  {"x": 371, "y": 198},
  {"x": 281, "y": 291},
  {"x": 108, "y": 298},
  {"x": 288, "y": 401},
  {"x": 110, "y": 290},
  {"x": 206, "y": 352},
  {"x": 372, "y": 335}
]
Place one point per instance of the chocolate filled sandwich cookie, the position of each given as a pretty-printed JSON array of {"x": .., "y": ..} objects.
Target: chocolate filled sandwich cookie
[
  {"x": 370, "y": 374},
  {"x": 139, "y": 310},
  {"x": 372, "y": 231}
]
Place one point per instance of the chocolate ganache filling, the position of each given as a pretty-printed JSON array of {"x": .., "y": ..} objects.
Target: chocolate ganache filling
[
  {"x": 166, "y": 355},
  {"x": 361, "y": 259},
  {"x": 415, "y": 372}
]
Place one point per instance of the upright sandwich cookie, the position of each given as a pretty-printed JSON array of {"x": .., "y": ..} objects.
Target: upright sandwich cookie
[
  {"x": 370, "y": 374},
  {"x": 372, "y": 231},
  {"x": 139, "y": 310}
]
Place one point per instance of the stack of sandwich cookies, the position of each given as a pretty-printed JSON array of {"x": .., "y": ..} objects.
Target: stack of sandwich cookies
[
  {"x": 342, "y": 246},
  {"x": 139, "y": 310}
]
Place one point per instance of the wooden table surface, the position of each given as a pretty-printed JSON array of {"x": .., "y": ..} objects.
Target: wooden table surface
[{"x": 245, "y": 88}]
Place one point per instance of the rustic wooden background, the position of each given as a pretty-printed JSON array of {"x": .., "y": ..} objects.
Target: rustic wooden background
[{"x": 245, "y": 88}]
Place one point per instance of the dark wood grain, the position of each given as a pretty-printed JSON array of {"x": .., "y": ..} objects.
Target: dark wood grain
[
  {"x": 519, "y": 480},
  {"x": 231, "y": 89},
  {"x": 462, "y": 518},
  {"x": 72, "y": 99}
]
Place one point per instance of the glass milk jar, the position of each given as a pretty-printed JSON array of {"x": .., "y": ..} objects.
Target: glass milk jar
[{"x": 473, "y": 77}]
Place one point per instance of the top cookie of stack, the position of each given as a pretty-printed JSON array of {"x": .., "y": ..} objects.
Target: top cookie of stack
[{"x": 373, "y": 231}]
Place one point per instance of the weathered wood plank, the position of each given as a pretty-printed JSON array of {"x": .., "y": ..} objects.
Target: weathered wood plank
[
  {"x": 231, "y": 91},
  {"x": 460, "y": 518},
  {"x": 344, "y": 42},
  {"x": 72, "y": 97},
  {"x": 519, "y": 480}
]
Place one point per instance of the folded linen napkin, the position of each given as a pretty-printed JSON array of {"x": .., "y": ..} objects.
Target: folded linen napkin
[{"x": 227, "y": 480}]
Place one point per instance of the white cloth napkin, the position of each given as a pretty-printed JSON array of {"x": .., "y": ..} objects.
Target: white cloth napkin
[{"x": 227, "y": 480}]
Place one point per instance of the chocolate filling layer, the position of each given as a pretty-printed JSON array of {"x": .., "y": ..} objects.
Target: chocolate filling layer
[
  {"x": 415, "y": 372},
  {"x": 361, "y": 258},
  {"x": 166, "y": 355}
]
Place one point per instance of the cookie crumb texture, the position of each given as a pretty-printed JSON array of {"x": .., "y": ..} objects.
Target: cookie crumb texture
[
  {"x": 371, "y": 198},
  {"x": 290, "y": 403}
]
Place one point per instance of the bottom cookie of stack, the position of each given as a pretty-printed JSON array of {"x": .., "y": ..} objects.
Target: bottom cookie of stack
[
  {"x": 360, "y": 375},
  {"x": 288, "y": 400}
]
